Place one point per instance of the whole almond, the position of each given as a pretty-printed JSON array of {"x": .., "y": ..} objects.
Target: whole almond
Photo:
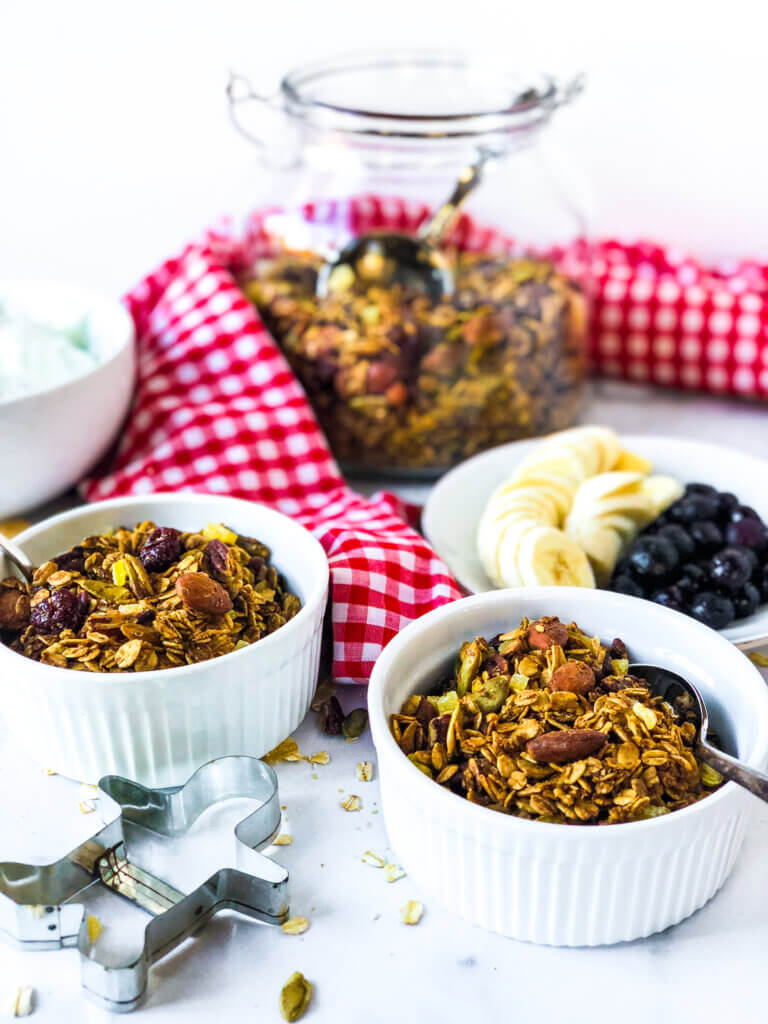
[
  {"x": 565, "y": 745},
  {"x": 545, "y": 632},
  {"x": 574, "y": 676},
  {"x": 14, "y": 608},
  {"x": 202, "y": 595}
]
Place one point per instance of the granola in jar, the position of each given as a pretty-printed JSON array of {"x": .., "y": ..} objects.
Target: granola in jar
[
  {"x": 147, "y": 597},
  {"x": 545, "y": 723},
  {"x": 400, "y": 382}
]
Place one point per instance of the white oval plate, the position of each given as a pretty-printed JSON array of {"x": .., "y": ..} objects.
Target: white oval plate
[{"x": 456, "y": 502}]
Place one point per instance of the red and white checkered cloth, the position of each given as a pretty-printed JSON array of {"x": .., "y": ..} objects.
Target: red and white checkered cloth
[{"x": 217, "y": 408}]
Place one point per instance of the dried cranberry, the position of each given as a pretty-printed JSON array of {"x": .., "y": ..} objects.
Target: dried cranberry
[
  {"x": 62, "y": 610},
  {"x": 258, "y": 567},
  {"x": 146, "y": 618},
  {"x": 618, "y": 649},
  {"x": 440, "y": 727},
  {"x": 217, "y": 555},
  {"x": 425, "y": 712},
  {"x": 161, "y": 549},
  {"x": 495, "y": 665},
  {"x": 331, "y": 717},
  {"x": 71, "y": 561}
]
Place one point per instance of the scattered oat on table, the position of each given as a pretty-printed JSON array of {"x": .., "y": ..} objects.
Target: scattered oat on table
[
  {"x": 295, "y": 997},
  {"x": 321, "y": 757},
  {"x": 352, "y": 803},
  {"x": 364, "y": 771},
  {"x": 21, "y": 1003},
  {"x": 759, "y": 659},
  {"x": 369, "y": 857},
  {"x": 411, "y": 912},
  {"x": 393, "y": 872},
  {"x": 295, "y": 926}
]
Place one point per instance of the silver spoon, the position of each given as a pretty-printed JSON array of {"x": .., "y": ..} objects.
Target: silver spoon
[
  {"x": 387, "y": 258},
  {"x": 689, "y": 705},
  {"x": 14, "y": 554}
]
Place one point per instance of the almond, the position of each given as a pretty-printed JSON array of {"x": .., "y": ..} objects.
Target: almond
[
  {"x": 574, "y": 676},
  {"x": 202, "y": 595},
  {"x": 565, "y": 745},
  {"x": 14, "y": 609},
  {"x": 546, "y": 632}
]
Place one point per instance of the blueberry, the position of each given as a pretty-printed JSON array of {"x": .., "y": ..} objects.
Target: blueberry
[
  {"x": 701, "y": 489},
  {"x": 624, "y": 584},
  {"x": 694, "y": 507},
  {"x": 751, "y": 557},
  {"x": 691, "y": 580},
  {"x": 680, "y": 537},
  {"x": 652, "y": 559},
  {"x": 746, "y": 601},
  {"x": 713, "y": 609},
  {"x": 739, "y": 512},
  {"x": 670, "y": 597},
  {"x": 763, "y": 584},
  {"x": 707, "y": 537},
  {"x": 727, "y": 502},
  {"x": 62, "y": 610},
  {"x": 161, "y": 549},
  {"x": 747, "y": 532},
  {"x": 730, "y": 568}
]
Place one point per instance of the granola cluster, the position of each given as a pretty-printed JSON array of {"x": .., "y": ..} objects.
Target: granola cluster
[
  {"x": 545, "y": 723},
  {"x": 399, "y": 381},
  {"x": 146, "y": 598}
]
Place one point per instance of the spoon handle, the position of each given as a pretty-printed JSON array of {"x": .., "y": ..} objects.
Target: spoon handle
[
  {"x": 735, "y": 771},
  {"x": 468, "y": 181},
  {"x": 14, "y": 554}
]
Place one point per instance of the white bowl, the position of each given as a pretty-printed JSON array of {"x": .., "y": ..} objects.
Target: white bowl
[
  {"x": 457, "y": 501},
  {"x": 159, "y": 727},
  {"x": 50, "y": 439},
  {"x": 567, "y": 885}
]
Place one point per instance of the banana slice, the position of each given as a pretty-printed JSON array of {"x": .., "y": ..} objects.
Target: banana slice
[
  {"x": 633, "y": 463},
  {"x": 606, "y": 485},
  {"x": 600, "y": 444},
  {"x": 662, "y": 491},
  {"x": 549, "y": 557},
  {"x": 507, "y": 565},
  {"x": 557, "y": 488},
  {"x": 602, "y": 545}
]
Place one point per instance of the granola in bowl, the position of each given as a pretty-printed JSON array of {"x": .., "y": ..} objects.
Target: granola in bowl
[
  {"x": 544, "y": 722},
  {"x": 147, "y": 597}
]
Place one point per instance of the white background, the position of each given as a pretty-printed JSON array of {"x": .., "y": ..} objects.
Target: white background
[{"x": 115, "y": 146}]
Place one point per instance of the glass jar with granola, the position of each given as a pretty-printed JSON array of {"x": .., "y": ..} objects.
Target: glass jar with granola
[{"x": 401, "y": 381}]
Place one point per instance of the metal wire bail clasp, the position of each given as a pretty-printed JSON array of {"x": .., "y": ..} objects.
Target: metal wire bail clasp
[{"x": 280, "y": 148}]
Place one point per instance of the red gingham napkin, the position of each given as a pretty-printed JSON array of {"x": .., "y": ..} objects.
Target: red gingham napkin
[{"x": 217, "y": 408}]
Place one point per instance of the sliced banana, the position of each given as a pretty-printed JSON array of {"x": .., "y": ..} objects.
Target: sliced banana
[
  {"x": 549, "y": 557},
  {"x": 602, "y": 545},
  {"x": 507, "y": 566},
  {"x": 633, "y": 462},
  {"x": 662, "y": 491}
]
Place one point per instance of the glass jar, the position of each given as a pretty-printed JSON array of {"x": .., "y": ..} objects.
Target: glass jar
[{"x": 375, "y": 142}]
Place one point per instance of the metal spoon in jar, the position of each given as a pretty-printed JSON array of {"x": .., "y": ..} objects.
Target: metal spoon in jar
[
  {"x": 387, "y": 258},
  {"x": 689, "y": 706},
  {"x": 14, "y": 554}
]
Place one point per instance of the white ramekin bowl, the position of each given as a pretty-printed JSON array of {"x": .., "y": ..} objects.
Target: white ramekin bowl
[
  {"x": 567, "y": 885},
  {"x": 159, "y": 727},
  {"x": 50, "y": 439}
]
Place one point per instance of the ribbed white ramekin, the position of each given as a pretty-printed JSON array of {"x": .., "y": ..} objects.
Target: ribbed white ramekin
[
  {"x": 159, "y": 727},
  {"x": 567, "y": 885}
]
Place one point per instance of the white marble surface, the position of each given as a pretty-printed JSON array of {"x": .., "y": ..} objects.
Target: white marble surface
[{"x": 364, "y": 964}]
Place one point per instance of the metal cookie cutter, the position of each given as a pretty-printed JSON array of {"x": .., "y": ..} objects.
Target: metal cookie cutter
[{"x": 36, "y": 902}]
